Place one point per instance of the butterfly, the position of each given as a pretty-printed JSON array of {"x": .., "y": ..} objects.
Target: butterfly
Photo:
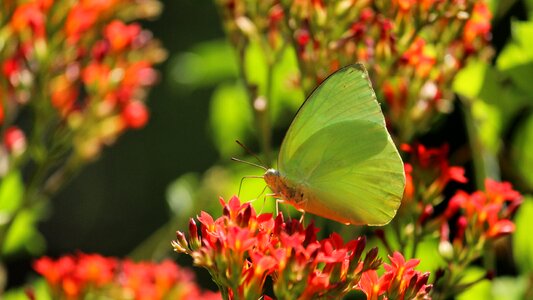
[{"x": 337, "y": 159}]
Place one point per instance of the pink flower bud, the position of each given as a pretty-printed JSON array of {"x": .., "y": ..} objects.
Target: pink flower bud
[{"x": 15, "y": 140}]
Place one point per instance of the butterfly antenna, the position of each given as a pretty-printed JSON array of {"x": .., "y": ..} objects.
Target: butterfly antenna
[
  {"x": 250, "y": 152},
  {"x": 248, "y": 163}
]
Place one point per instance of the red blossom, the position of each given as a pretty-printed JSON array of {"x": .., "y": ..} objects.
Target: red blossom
[
  {"x": 245, "y": 248},
  {"x": 121, "y": 35},
  {"x": 29, "y": 16},
  {"x": 79, "y": 20},
  {"x": 486, "y": 211},
  {"x": 430, "y": 168},
  {"x": 75, "y": 276},
  {"x": 96, "y": 269},
  {"x": 54, "y": 271},
  {"x": 400, "y": 280},
  {"x": 478, "y": 25}
]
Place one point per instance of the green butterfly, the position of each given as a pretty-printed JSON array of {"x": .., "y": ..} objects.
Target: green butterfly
[{"x": 337, "y": 160}]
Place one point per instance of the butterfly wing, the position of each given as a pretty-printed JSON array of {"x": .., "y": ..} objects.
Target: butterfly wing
[
  {"x": 343, "y": 96},
  {"x": 339, "y": 152}
]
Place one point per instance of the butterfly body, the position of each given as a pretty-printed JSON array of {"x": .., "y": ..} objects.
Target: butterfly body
[
  {"x": 283, "y": 188},
  {"x": 337, "y": 159}
]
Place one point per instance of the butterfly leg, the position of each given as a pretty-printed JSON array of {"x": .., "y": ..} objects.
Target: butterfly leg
[
  {"x": 278, "y": 201},
  {"x": 303, "y": 215}
]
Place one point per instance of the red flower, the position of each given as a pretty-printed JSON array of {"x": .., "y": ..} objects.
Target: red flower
[
  {"x": 79, "y": 20},
  {"x": 486, "y": 212},
  {"x": 29, "y": 16},
  {"x": 95, "y": 269},
  {"x": 478, "y": 25},
  {"x": 240, "y": 249},
  {"x": 121, "y": 35},
  {"x": 371, "y": 285},
  {"x": 54, "y": 271},
  {"x": 429, "y": 168},
  {"x": 75, "y": 277},
  {"x": 400, "y": 280}
]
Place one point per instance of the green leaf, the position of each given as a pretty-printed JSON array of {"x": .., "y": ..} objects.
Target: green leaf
[
  {"x": 206, "y": 64},
  {"x": 287, "y": 94},
  {"x": 430, "y": 258},
  {"x": 469, "y": 81},
  {"x": 521, "y": 150},
  {"x": 488, "y": 120},
  {"x": 518, "y": 51},
  {"x": 230, "y": 118},
  {"x": 39, "y": 287},
  {"x": 480, "y": 290},
  {"x": 516, "y": 59},
  {"x": 11, "y": 192},
  {"x": 181, "y": 194},
  {"x": 23, "y": 234},
  {"x": 509, "y": 288},
  {"x": 522, "y": 241}
]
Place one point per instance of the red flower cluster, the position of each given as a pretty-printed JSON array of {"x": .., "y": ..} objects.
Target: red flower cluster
[
  {"x": 75, "y": 276},
  {"x": 400, "y": 41},
  {"x": 400, "y": 281},
  {"x": 240, "y": 249},
  {"x": 428, "y": 172},
  {"x": 483, "y": 214},
  {"x": 84, "y": 60},
  {"x": 478, "y": 25}
]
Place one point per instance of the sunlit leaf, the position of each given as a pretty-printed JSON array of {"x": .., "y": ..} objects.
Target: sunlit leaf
[
  {"x": 11, "y": 192},
  {"x": 287, "y": 94},
  {"x": 469, "y": 82},
  {"x": 480, "y": 290},
  {"x": 181, "y": 194},
  {"x": 522, "y": 155},
  {"x": 516, "y": 59},
  {"x": 282, "y": 89},
  {"x": 488, "y": 121},
  {"x": 230, "y": 118},
  {"x": 23, "y": 234},
  {"x": 428, "y": 253},
  {"x": 206, "y": 64},
  {"x": 522, "y": 241},
  {"x": 39, "y": 288},
  {"x": 509, "y": 288}
]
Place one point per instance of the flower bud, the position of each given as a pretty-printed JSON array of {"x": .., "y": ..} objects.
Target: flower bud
[
  {"x": 180, "y": 244},
  {"x": 193, "y": 232},
  {"x": 135, "y": 114},
  {"x": 372, "y": 261},
  {"x": 446, "y": 249},
  {"x": 15, "y": 140}
]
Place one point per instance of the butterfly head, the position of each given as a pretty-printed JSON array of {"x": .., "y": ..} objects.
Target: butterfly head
[{"x": 272, "y": 177}]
